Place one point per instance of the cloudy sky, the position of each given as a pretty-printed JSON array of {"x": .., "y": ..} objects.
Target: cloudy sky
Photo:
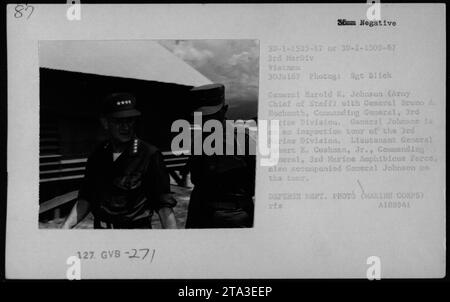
[{"x": 234, "y": 63}]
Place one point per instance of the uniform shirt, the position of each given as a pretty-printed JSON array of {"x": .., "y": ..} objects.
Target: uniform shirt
[
  {"x": 225, "y": 173},
  {"x": 221, "y": 175},
  {"x": 128, "y": 189},
  {"x": 221, "y": 182}
]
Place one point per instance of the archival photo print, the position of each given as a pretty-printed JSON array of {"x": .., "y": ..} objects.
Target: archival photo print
[{"x": 147, "y": 134}]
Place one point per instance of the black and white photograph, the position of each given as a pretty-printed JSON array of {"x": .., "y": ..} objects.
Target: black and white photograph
[
  {"x": 226, "y": 141},
  {"x": 106, "y": 113}
]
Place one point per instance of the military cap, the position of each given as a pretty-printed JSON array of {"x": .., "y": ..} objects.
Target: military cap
[
  {"x": 120, "y": 105},
  {"x": 208, "y": 99}
]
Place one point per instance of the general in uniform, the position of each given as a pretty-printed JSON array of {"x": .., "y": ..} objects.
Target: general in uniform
[
  {"x": 126, "y": 180},
  {"x": 224, "y": 185}
]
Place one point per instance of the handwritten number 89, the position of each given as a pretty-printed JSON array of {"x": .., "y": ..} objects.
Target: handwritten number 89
[{"x": 20, "y": 8}]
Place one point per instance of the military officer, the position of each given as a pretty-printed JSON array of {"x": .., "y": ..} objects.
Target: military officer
[
  {"x": 224, "y": 185},
  {"x": 126, "y": 180}
]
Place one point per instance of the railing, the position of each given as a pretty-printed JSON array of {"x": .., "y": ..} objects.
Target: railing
[
  {"x": 56, "y": 202},
  {"x": 55, "y": 169}
]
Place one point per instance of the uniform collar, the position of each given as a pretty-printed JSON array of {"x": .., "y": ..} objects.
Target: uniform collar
[{"x": 132, "y": 148}]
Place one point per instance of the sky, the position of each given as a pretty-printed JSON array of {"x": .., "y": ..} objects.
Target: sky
[{"x": 234, "y": 63}]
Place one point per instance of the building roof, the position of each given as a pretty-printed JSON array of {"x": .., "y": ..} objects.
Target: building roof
[{"x": 137, "y": 59}]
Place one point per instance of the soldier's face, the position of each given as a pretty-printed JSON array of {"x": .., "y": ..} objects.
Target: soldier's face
[{"x": 121, "y": 129}]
